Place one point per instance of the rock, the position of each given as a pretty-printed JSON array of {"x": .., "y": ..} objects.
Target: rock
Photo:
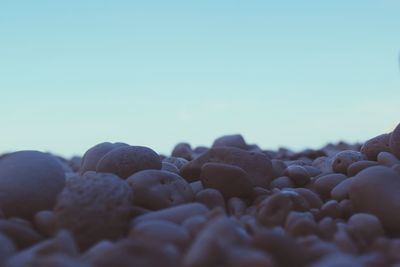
[
  {"x": 161, "y": 232},
  {"x": 157, "y": 189},
  {"x": 230, "y": 180},
  {"x": 245, "y": 257},
  {"x": 282, "y": 182},
  {"x": 358, "y": 166},
  {"x": 128, "y": 253},
  {"x": 376, "y": 190},
  {"x": 257, "y": 165},
  {"x": 324, "y": 164},
  {"x": 341, "y": 190},
  {"x": 211, "y": 197},
  {"x": 366, "y": 225},
  {"x": 394, "y": 142},
  {"x": 236, "y": 207},
  {"x": 274, "y": 209},
  {"x": 375, "y": 145},
  {"x": 300, "y": 224},
  {"x": 387, "y": 159},
  {"x": 342, "y": 160},
  {"x": 39, "y": 254},
  {"x": 166, "y": 166},
  {"x": 127, "y": 160},
  {"x": 177, "y": 162},
  {"x": 29, "y": 182},
  {"x": 278, "y": 168},
  {"x": 312, "y": 198},
  {"x": 176, "y": 214},
  {"x": 94, "y": 207},
  {"x": 94, "y": 154},
  {"x": 46, "y": 222},
  {"x": 235, "y": 140},
  {"x": 182, "y": 150},
  {"x": 7, "y": 248},
  {"x": 206, "y": 250},
  {"x": 324, "y": 184},
  {"x": 298, "y": 174},
  {"x": 284, "y": 249}
]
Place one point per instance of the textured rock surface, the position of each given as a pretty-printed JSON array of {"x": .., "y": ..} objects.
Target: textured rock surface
[
  {"x": 127, "y": 160},
  {"x": 94, "y": 207},
  {"x": 155, "y": 189}
]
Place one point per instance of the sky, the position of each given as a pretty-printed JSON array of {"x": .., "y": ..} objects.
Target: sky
[{"x": 296, "y": 74}]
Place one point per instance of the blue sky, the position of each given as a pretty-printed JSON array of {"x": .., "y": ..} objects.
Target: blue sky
[{"x": 292, "y": 73}]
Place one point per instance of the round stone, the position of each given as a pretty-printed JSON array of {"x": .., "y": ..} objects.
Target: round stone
[
  {"x": 394, "y": 141},
  {"x": 375, "y": 145},
  {"x": 157, "y": 189},
  {"x": 376, "y": 190},
  {"x": 230, "y": 180},
  {"x": 234, "y": 140},
  {"x": 94, "y": 154},
  {"x": 342, "y": 160},
  {"x": 127, "y": 160},
  {"x": 326, "y": 183},
  {"x": 29, "y": 182}
]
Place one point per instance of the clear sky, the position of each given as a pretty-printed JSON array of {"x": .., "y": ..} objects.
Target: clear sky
[{"x": 294, "y": 73}]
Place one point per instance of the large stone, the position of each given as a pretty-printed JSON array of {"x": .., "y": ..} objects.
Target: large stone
[
  {"x": 374, "y": 146},
  {"x": 94, "y": 207},
  {"x": 257, "y": 165},
  {"x": 29, "y": 182},
  {"x": 376, "y": 190},
  {"x": 127, "y": 160},
  {"x": 234, "y": 140},
  {"x": 94, "y": 154},
  {"x": 394, "y": 142}
]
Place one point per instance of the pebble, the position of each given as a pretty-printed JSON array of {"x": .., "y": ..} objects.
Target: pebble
[
  {"x": 234, "y": 140},
  {"x": 127, "y": 160},
  {"x": 136, "y": 252},
  {"x": 219, "y": 175},
  {"x": 29, "y": 182},
  {"x": 7, "y": 248},
  {"x": 282, "y": 182},
  {"x": 161, "y": 231},
  {"x": 274, "y": 209},
  {"x": 183, "y": 150},
  {"x": 394, "y": 141},
  {"x": 94, "y": 154},
  {"x": 341, "y": 190},
  {"x": 94, "y": 207},
  {"x": 342, "y": 160},
  {"x": 257, "y": 165},
  {"x": 387, "y": 159},
  {"x": 324, "y": 184},
  {"x": 366, "y": 225},
  {"x": 374, "y": 146},
  {"x": 358, "y": 166},
  {"x": 158, "y": 189},
  {"x": 376, "y": 191},
  {"x": 298, "y": 174},
  {"x": 176, "y": 214},
  {"x": 206, "y": 250},
  {"x": 211, "y": 197}
]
